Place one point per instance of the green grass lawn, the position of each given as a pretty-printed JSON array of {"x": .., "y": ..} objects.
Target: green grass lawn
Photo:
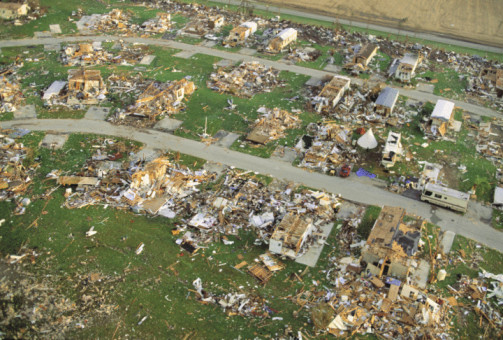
[
  {"x": 448, "y": 83},
  {"x": 368, "y": 220},
  {"x": 497, "y": 221}
]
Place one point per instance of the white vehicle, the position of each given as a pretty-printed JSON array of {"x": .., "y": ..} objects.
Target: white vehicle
[{"x": 445, "y": 197}]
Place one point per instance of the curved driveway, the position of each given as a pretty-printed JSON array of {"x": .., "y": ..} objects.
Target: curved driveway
[{"x": 469, "y": 225}]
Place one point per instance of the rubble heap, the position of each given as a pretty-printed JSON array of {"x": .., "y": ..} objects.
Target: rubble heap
[
  {"x": 10, "y": 92},
  {"x": 245, "y": 80},
  {"x": 272, "y": 125},
  {"x": 232, "y": 303},
  {"x": 326, "y": 147},
  {"x": 155, "y": 101}
]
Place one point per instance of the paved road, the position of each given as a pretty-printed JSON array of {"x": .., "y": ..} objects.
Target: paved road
[
  {"x": 438, "y": 37},
  {"x": 280, "y": 65},
  {"x": 469, "y": 225}
]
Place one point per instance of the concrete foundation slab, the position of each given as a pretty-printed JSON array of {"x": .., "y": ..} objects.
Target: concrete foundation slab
[
  {"x": 332, "y": 68},
  {"x": 147, "y": 60},
  {"x": 54, "y": 141},
  {"x": 313, "y": 81},
  {"x": 184, "y": 54},
  {"x": 284, "y": 154},
  {"x": 208, "y": 43},
  {"x": 25, "y": 112},
  {"x": 52, "y": 47},
  {"x": 456, "y": 125},
  {"x": 148, "y": 154},
  {"x": 446, "y": 241},
  {"x": 428, "y": 88},
  {"x": 44, "y": 34},
  {"x": 218, "y": 168},
  {"x": 97, "y": 113},
  {"x": 168, "y": 124},
  {"x": 420, "y": 276},
  {"x": 247, "y": 51},
  {"x": 225, "y": 139},
  {"x": 310, "y": 258},
  {"x": 55, "y": 29},
  {"x": 225, "y": 63}
]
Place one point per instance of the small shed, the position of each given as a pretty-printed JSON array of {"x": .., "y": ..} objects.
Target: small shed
[
  {"x": 442, "y": 116},
  {"x": 392, "y": 150},
  {"x": 404, "y": 69},
  {"x": 386, "y": 101}
]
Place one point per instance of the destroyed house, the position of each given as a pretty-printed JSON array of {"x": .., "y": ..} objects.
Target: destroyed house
[
  {"x": 392, "y": 149},
  {"x": 392, "y": 244},
  {"x": 282, "y": 39},
  {"x": 290, "y": 236},
  {"x": 239, "y": 34},
  {"x": 331, "y": 93},
  {"x": 216, "y": 21},
  {"x": 12, "y": 10},
  {"x": 158, "y": 98},
  {"x": 365, "y": 55},
  {"x": 85, "y": 85},
  {"x": 441, "y": 117},
  {"x": 404, "y": 69},
  {"x": 495, "y": 77},
  {"x": 386, "y": 101},
  {"x": 160, "y": 24}
]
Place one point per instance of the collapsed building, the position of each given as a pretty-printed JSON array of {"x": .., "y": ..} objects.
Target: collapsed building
[
  {"x": 84, "y": 87},
  {"x": 244, "y": 80},
  {"x": 157, "y": 99},
  {"x": 13, "y": 10},
  {"x": 290, "y": 236},
  {"x": 86, "y": 54},
  {"x": 160, "y": 24},
  {"x": 202, "y": 24},
  {"x": 282, "y": 40},
  {"x": 331, "y": 93},
  {"x": 272, "y": 125},
  {"x": 392, "y": 244},
  {"x": 404, "y": 69},
  {"x": 239, "y": 34}
]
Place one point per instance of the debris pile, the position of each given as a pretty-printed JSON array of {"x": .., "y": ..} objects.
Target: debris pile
[
  {"x": 155, "y": 101},
  {"x": 93, "y": 54},
  {"x": 10, "y": 92},
  {"x": 160, "y": 24},
  {"x": 245, "y": 80},
  {"x": 304, "y": 54},
  {"x": 242, "y": 304},
  {"x": 33, "y": 306},
  {"x": 115, "y": 21},
  {"x": 14, "y": 177},
  {"x": 272, "y": 125}
]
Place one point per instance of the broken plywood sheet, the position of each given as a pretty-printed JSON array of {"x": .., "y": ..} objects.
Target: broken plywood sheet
[{"x": 77, "y": 180}]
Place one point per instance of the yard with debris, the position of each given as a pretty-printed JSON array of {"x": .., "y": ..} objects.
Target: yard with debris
[{"x": 104, "y": 237}]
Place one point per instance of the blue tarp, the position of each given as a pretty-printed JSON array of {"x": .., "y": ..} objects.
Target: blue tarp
[{"x": 362, "y": 172}]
